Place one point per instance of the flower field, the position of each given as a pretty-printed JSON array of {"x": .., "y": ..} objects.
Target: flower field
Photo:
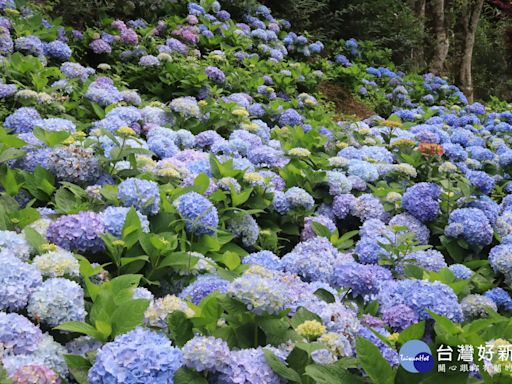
[{"x": 180, "y": 203}]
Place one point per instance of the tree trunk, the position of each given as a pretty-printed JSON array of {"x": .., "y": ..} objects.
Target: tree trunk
[
  {"x": 470, "y": 24},
  {"x": 441, "y": 37},
  {"x": 418, "y": 53}
]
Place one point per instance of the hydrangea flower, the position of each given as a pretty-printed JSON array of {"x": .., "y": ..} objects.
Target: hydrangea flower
[
  {"x": 18, "y": 280},
  {"x": 399, "y": 317},
  {"x": 74, "y": 164},
  {"x": 144, "y": 195},
  {"x": 80, "y": 232},
  {"x": 313, "y": 259},
  {"x": 244, "y": 227},
  {"x": 202, "y": 287},
  {"x": 203, "y": 353},
  {"x": 139, "y": 356},
  {"x": 157, "y": 312},
  {"x": 420, "y": 295},
  {"x": 35, "y": 373},
  {"x": 113, "y": 219},
  {"x": 265, "y": 259},
  {"x": 48, "y": 353},
  {"x": 500, "y": 297},
  {"x": 461, "y": 271},
  {"x": 248, "y": 366},
  {"x": 199, "y": 213},
  {"x": 17, "y": 334},
  {"x": 476, "y": 306},
  {"x": 298, "y": 198},
  {"x": 422, "y": 201},
  {"x": 309, "y": 233},
  {"x": 500, "y": 259},
  {"x": 361, "y": 279},
  {"x": 471, "y": 224},
  {"x": 22, "y": 120},
  {"x": 57, "y": 264},
  {"x": 56, "y": 301},
  {"x": 15, "y": 244},
  {"x": 259, "y": 294}
]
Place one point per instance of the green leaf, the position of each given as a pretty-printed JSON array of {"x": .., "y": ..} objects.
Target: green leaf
[
  {"x": 202, "y": 182},
  {"x": 34, "y": 238},
  {"x": 320, "y": 229},
  {"x": 131, "y": 228},
  {"x": 332, "y": 374},
  {"x": 187, "y": 376},
  {"x": 129, "y": 316},
  {"x": 303, "y": 315},
  {"x": 78, "y": 367},
  {"x": 230, "y": 260},
  {"x": 325, "y": 295},
  {"x": 180, "y": 328},
  {"x": 375, "y": 366},
  {"x": 80, "y": 327},
  {"x": 280, "y": 368},
  {"x": 412, "y": 332},
  {"x": 50, "y": 138}
]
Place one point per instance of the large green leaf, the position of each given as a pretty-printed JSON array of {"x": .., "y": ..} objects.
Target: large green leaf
[{"x": 375, "y": 366}]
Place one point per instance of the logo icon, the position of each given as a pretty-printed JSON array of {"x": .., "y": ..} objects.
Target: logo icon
[{"x": 415, "y": 357}]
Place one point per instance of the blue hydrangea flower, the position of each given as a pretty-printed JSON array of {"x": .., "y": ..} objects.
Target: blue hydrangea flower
[
  {"x": 83, "y": 345},
  {"x": 200, "y": 214},
  {"x": 313, "y": 259},
  {"x": 365, "y": 207},
  {"x": 57, "y": 50},
  {"x": 113, "y": 219},
  {"x": 422, "y": 201},
  {"x": 500, "y": 297},
  {"x": 290, "y": 117},
  {"x": 500, "y": 259},
  {"x": 18, "y": 280},
  {"x": 361, "y": 279},
  {"x": 265, "y": 259},
  {"x": 244, "y": 227},
  {"x": 471, "y": 224},
  {"x": 14, "y": 244},
  {"x": 103, "y": 91},
  {"x": 202, "y": 287},
  {"x": 48, "y": 353},
  {"x": 323, "y": 356},
  {"x": 461, "y": 271},
  {"x": 144, "y": 195},
  {"x": 476, "y": 306},
  {"x": 260, "y": 294},
  {"x": 203, "y": 353},
  {"x": 56, "y": 301},
  {"x": 248, "y": 366},
  {"x": 342, "y": 205},
  {"x": 399, "y": 317},
  {"x": 413, "y": 225},
  {"x": 137, "y": 357},
  {"x": 80, "y": 232},
  {"x": 22, "y": 120},
  {"x": 17, "y": 334},
  {"x": 430, "y": 259},
  {"x": 74, "y": 164},
  {"x": 338, "y": 183},
  {"x": 298, "y": 198},
  {"x": 363, "y": 169},
  {"x": 420, "y": 295}
]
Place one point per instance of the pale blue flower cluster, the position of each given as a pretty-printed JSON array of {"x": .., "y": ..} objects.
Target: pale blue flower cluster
[
  {"x": 113, "y": 219},
  {"x": 199, "y": 213},
  {"x": 18, "y": 280},
  {"x": 144, "y": 195},
  {"x": 203, "y": 353},
  {"x": 56, "y": 301},
  {"x": 137, "y": 357}
]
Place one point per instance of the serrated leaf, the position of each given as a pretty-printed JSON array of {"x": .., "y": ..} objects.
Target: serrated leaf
[
  {"x": 280, "y": 368},
  {"x": 187, "y": 376},
  {"x": 375, "y": 366}
]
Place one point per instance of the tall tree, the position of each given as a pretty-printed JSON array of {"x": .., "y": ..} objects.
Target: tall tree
[
  {"x": 419, "y": 7},
  {"x": 441, "y": 36},
  {"x": 471, "y": 12}
]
